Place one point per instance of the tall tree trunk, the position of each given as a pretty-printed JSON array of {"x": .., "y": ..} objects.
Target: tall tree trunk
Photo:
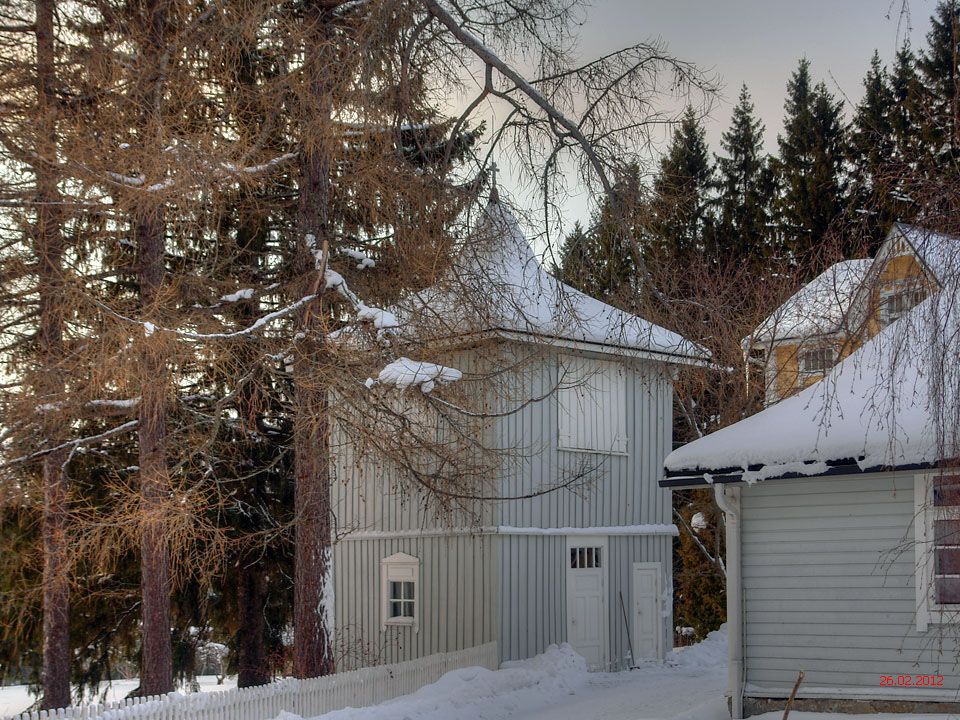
[
  {"x": 156, "y": 671},
  {"x": 313, "y": 653},
  {"x": 156, "y": 674},
  {"x": 49, "y": 251},
  {"x": 252, "y": 665}
]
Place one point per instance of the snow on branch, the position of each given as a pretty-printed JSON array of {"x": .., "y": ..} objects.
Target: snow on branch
[
  {"x": 406, "y": 373},
  {"x": 384, "y": 321},
  {"x": 242, "y": 294},
  {"x": 363, "y": 261},
  {"x": 132, "y": 180},
  {"x": 72, "y": 444},
  {"x": 149, "y": 328},
  {"x": 226, "y": 169},
  {"x": 106, "y": 406}
]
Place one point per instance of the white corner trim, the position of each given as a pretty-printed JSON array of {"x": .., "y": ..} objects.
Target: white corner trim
[{"x": 921, "y": 575}]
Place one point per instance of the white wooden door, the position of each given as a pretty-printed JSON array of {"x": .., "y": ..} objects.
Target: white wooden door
[
  {"x": 647, "y": 618},
  {"x": 587, "y": 617}
]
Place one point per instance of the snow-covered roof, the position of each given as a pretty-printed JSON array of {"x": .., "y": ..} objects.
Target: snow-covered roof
[
  {"x": 892, "y": 403},
  {"x": 520, "y": 298},
  {"x": 818, "y": 308},
  {"x": 939, "y": 252}
]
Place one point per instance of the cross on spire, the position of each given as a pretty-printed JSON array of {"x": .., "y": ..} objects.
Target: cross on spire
[{"x": 494, "y": 193}]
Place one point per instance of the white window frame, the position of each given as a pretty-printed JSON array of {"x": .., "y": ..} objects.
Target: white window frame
[
  {"x": 899, "y": 290},
  {"x": 929, "y": 611},
  {"x": 831, "y": 354},
  {"x": 399, "y": 567},
  {"x": 580, "y": 396}
]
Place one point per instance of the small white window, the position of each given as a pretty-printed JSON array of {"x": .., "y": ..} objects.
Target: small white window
[
  {"x": 585, "y": 558},
  {"x": 592, "y": 407},
  {"x": 938, "y": 548},
  {"x": 816, "y": 361},
  {"x": 400, "y": 583}
]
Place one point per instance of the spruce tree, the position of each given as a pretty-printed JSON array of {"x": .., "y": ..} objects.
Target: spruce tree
[
  {"x": 681, "y": 221},
  {"x": 745, "y": 185},
  {"x": 810, "y": 165},
  {"x": 872, "y": 150},
  {"x": 574, "y": 267},
  {"x": 600, "y": 262},
  {"x": 939, "y": 70},
  {"x": 906, "y": 90}
]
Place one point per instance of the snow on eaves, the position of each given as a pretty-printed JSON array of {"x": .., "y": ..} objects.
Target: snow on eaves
[
  {"x": 892, "y": 403},
  {"x": 818, "y": 308},
  {"x": 504, "y": 289}
]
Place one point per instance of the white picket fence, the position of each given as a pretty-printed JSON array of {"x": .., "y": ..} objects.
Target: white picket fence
[{"x": 307, "y": 698}]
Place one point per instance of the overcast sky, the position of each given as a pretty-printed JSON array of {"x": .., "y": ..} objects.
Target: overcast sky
[{"x": 758, "y": 42}]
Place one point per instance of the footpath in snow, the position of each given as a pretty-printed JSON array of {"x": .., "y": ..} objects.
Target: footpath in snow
[{"x": 557, "y": 686}]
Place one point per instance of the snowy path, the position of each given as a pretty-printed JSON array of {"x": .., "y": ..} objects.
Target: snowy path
[
  {"x": 552, "y": 686},
  {"x": 556, "y": 686},
  {"x": 645, "y": 694}
]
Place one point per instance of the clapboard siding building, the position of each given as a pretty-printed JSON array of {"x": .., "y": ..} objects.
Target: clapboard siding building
[
  {"x": 842, "y": 509},
  {"x": 589, "y": 403}
]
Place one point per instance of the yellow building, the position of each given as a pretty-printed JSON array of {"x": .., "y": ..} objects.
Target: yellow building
[{"x": 848, "y": 303}]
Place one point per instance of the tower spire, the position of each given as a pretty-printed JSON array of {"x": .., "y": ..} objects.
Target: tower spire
[{"x": 494, "y": 192}]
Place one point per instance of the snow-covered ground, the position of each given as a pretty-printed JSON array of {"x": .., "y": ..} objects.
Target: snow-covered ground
[
  {"x": 17, "y": 698},
  {"x": 794, "y": 715},
  {"x": 552, "y": 686},
  {"x": 557, "y": 686}
]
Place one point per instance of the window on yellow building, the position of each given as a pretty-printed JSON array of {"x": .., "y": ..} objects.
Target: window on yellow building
[
  {"x": 898, "y": 302},
  {"x": 816, "y": 360}
]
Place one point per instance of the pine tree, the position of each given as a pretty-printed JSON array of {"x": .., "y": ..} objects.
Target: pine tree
[
  {"x": 745, "y": 185},
  {"x": 681, "y": 222},
  {"x": 810, "y": 164}
]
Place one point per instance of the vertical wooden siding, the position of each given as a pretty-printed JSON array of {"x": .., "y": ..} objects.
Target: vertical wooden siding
[
  {"x": 533, "y": 599},
  {"x": 623, "y": 489},
  {"x": 520, "y": 579},
  {"x": 533, "y": 591},
  {"x": 623, "y": 552},
  {"x": 456, "y": 607}
]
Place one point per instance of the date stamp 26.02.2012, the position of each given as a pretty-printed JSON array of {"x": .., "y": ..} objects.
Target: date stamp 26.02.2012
[{"x": 911, "y": 681}]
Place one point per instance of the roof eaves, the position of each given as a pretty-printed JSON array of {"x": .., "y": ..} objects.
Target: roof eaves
[
  {"x": 847, "y": 466},
  {"x": 605, "y": 348}
]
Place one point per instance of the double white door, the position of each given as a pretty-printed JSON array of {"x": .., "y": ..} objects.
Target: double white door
[{"x": 588, "y": 598}]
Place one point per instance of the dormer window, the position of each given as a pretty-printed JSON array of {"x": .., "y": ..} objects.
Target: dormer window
[{"x": 898, "y": 302}]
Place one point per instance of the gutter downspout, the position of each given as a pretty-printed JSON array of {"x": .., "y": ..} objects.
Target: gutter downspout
[{"x": 728, "y": 499}]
